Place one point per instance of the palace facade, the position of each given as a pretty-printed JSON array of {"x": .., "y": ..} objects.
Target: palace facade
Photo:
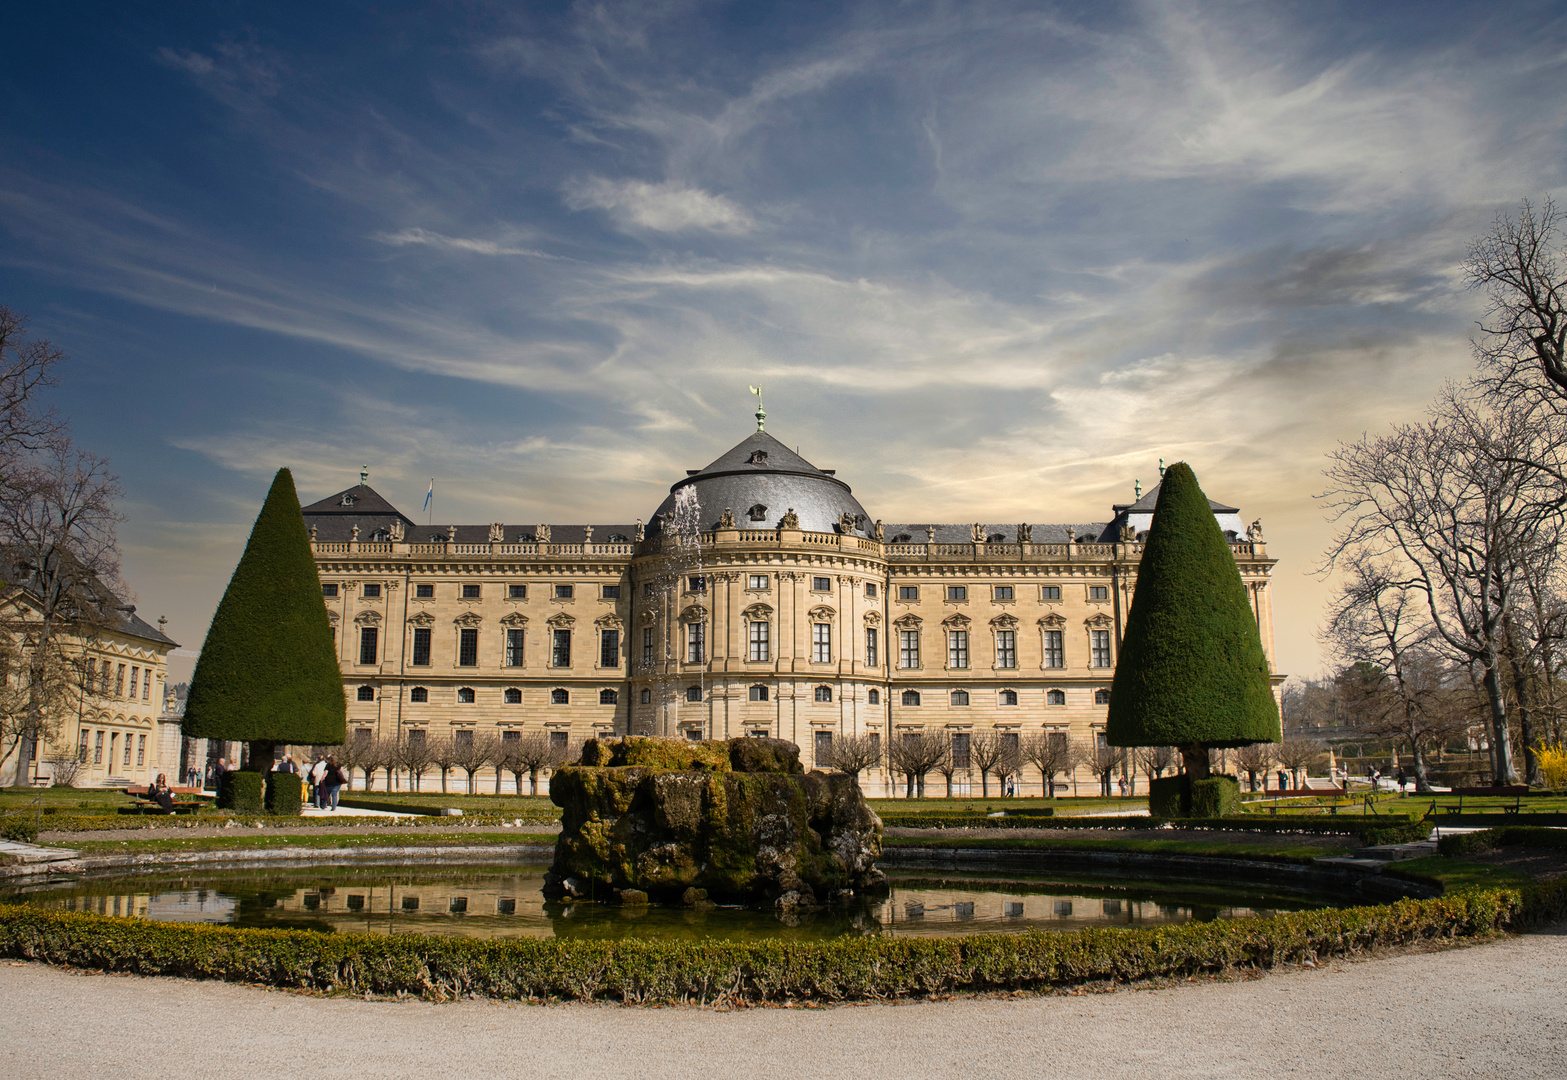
[{"x": 759, "y": 599}]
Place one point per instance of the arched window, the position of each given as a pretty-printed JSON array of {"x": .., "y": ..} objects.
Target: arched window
[
  {"x": 693, "y": 693},
  {"x": 960, "y": 697},
  {"x": 367, "y": 693},
  {"x": 758, "y": 693},
  {"x": 609, "y": 697},
  {"x": 513, "y": 696},
  {"x": 1009, "y": 697},
  {"x": 873, "y": 697},
  {"x": 560, "y": 697},
  {"x": 824, "y": 693},
  {"x": 419, "y": 694},
  {"x": 911, "y": 697},
  {"x": 1055, "y": 697},
  {"x": 647, "y": 697},
  {"x": 465, "y": 695},
  {"x": 1101, "y": 697}
]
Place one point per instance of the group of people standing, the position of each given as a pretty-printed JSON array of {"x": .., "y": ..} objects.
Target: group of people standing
[{"x": 325, "y": 777}]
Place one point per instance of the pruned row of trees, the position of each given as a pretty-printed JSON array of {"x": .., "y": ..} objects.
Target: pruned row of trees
[
  {"x": 406, "y": 763},
  {"x": 1449, "y": 529}
]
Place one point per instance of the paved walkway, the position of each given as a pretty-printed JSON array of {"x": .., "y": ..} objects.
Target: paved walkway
[{"x": 1490, "y": 1011}]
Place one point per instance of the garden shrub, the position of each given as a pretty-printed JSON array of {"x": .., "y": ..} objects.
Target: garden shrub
[
  {"x": 1169, "y": 797},
  {"x": 243, "y": 791},
  {"x": 1461, "y": 844},
  {"x": 285, "y": 794},
  {"x": 20, "y": 829},
  {"x": 759, "y": 971},
  {"x": 1215, "y": 796}
]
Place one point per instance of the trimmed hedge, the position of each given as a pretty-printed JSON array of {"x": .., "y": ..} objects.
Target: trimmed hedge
[
  {"x": 754, "y": 972},
  {"x": 74, "y": 823},
  {"x": 285, "y": 794},
  {"x": 1168, "y": 796},
  {"x": 20, "y": 828},
  {"x": 243, "y": 791},
  {"x": 1215, "y": 796},
  {"x": 1462, "y": 844},
  {"x": 1385, "y": 829},
  {"x": 965, "y": 819}
]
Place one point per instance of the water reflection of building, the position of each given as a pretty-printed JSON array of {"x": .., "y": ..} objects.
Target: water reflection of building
[{"x": 804, "y": 618}]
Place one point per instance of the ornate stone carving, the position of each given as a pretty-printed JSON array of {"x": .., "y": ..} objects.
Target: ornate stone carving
[
  {"x": 469, "y": 619},
  {"x": 1003, "y": 622},
  {"x": 910, "y": 621},
  {"x": 497, "y": 533},
  {"x": 880, "y": 533},
  {"x": 822, "y": 613},
  {"x": 355, "y": 535},
  {"x": 977, "y": 531},
  {"x": 1025, "y": 534},
  {"x": 561, "y": 621},
  {"x": 312, "y": 534},
  {"x": 1099, "y": 621},
  {"x": 424, "y": 618},
  {"x": 873, "y": 618},
  {"x": 1052, "y": 621},
  {"x": 694, "y": 613},
  {"x": 1128, "y": 534},
  {"x": 790, "y": 520},
  {"x": 726, "y": 520},
  {"x": 395, "y": 531},
  {"x": 956, "y": 622},
  {"x": 757, "y": 612},
  {"x": 1254, "y": 531},
  {"x": 451, "y": 534},
  {"x": 930, "y": 534},
  {"x": 847, "y": 523},
  {"x": 368, "y": 618},
  {"x": 648, "y": 617},
  {"x": 758, "y": 512},
  {"x": 516, "y": 618},
  {"x": 641, "y": 533},
  {"x": 543, "y": 534},
  {"x": 587, "y": 534},
  {"x": 333, "y": 618},
  {"x": 609, "y": 621}
]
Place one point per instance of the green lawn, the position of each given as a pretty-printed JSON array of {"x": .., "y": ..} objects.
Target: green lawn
[
  {"x": 263, "y": 841},
  {"x": 1063, "y": 806},
  {"x": 1456, "y": 874},
  {"x": 425, "y": 800},
  {"x": 87, "y": 800},
  {"x": 1285, "y": 849}
]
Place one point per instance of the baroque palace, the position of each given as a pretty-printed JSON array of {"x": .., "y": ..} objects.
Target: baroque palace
[{"x": 770, "y": 604}]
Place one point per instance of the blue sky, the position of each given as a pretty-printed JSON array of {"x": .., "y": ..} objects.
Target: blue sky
[{"x": 990, "y": 261}]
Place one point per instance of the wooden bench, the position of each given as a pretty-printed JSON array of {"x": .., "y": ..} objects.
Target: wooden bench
[
  {"x": 1517, "y": 791},
  {"x": 144, "y": 805}
]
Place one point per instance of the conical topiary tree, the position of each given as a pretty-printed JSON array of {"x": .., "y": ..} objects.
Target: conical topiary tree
[
  {"x": 1192, "y": 673},
  {"x": 268, "y": 672}
]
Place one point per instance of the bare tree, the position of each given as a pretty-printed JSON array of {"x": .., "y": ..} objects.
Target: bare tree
[
  {"x": 1254, "y": 760},
  {"x": 1050, "y": 752},
  {"x": 1297, "y": 755},
  {"x": 915, "y": 754},
  {"x": 949, "y": 763},
  {"x": 65, "y": 764},
  {"x": 992, "y": 752},
  {"x": 27, "y": 365},
  {"x": 530, "y": 754},
  {"x": 1454, "y": 509},
  {"x": 1104, "y": 761},
  {"x": 853, "y": 754},
  {"x": 474, "y": 753},
  {"x": 379, "y": 754},
  {"x": 443, "y": 755},
  {"x": 1153, "y": 760},
  {"x": 414, "y": 756},
  {"x": 1519, "y": 264}
]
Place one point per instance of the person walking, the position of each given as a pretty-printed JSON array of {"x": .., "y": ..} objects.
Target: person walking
[
  {"x": 317, "y": 771},
  {"x": 332, "y": 781}
]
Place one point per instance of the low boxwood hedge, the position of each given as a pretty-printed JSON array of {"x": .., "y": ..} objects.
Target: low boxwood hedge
[
  {"x": 1384, "y": 829},
  {"x": 72, "y": 823},
  {"x": 1460, "y": 844},
  {"x": 754, "y": 972}
]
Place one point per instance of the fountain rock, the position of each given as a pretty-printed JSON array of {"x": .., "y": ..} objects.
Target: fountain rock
[{"x": 740, "y": 820}]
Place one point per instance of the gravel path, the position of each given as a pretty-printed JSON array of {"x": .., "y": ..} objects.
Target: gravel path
[{"x": 1490, "y": 1011}]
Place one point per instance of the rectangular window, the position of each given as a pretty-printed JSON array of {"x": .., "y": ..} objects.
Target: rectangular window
[
  {"x": 649, "y": 588},
  {"x": 872, "y": 657},
  {"x": 1055, "y": 656},
  {"x": 823, "y": 746},
  {"x": 1057, "y": 742},
  {"x": 103, "y": 678},
  {"x": 757, "y": 581},
  {"x": 119, "y": 681},
  {"x": 563, "y": 592},
  {"x": 146, "y": 686},
  {"x": 821, "y": 643},
  {"x": 462, "y": 737},
  {"x": 695, "y": 652},
  {"x": 875, "y": 738},
  {"x": 141, "y": 750},
  {"x": 1011, "y": 743},
  {"x": 761, "y": 647},
  {"x": 559, "y": 740},
  {"x": 1003, "y": 592},
  {"x": 609, "y": 648},
  {"x": 329, "y": 589},
  {"x": 470, "y": 592},
  {"x": 135, "y": 679},
  {"x": 97, "y": 750},
  {"x": 516, "y": 592},
  {"x": 421, "y": 646},
  {"x": 696, "y": 583},
  {"x": 372, "y": 591},
  {"x": 908, "y": 592},
  {"x": 1050, "y": 592},
  {"x": 369, "y": 643},
  {"x": 909, "y": 648},
  {"x": 1100, "y": 642},
  {"x": 647, "y": 645},
  {"x": 1098, "y": 592},
  {"x": 560, "y": 648},
  {"x": 514, "y": 639},
  {"x": 821, "y": 584},
  {"x": 81, "y": 749},
  {"x": 870, "y": 590},
  {"x": 424, "y": 592},
  {"x": 1006, "y": 648},
  {"x": 126, "y": 762},
  {"x": 609, "y": 592},
  {"x": 957, "y": 648},
  {"x": 468, "y": 646},
  {"x": 960, "y": 749},
  {"x": 957, "y": 592}
]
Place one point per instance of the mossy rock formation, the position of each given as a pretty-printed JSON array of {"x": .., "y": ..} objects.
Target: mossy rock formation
[{"x": 739, "y": 821}]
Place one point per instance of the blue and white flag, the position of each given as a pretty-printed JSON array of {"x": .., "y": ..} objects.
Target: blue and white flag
[{"x": 428, "y": 495}]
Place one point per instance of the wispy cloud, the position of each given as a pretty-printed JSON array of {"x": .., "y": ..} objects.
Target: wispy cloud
[
  {"x": 470, "y": 245},
  {"x": 666, "y": 207}
]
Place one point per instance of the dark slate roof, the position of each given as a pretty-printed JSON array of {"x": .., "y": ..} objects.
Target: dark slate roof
[
  {"x": 117, "y": 615},
  {"x": 340, "y": 529},
  {"x": 360, "y": 500},
  {"x": 1088, "y": 532},
  {"x": 779, "y": 459},
  {"x": 1146, "y": 504}
]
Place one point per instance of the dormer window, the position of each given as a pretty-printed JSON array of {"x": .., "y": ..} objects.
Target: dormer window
[
  {"x": 757, "y": 512},
  {"x": 349, "y": 500},
  {"x": 758, "y": 457}
]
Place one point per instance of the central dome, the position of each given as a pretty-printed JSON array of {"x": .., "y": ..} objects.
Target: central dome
[{"x": 759, "y": 480}]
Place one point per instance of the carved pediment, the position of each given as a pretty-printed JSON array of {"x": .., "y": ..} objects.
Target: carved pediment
[
  {"x": 873, "y": 618},
  {"x": 332, "y": 618},
  {"x": 1098, "y": 622},
  {"x": 561, "y": 621},
  {"x": 758, "y": 611},
  {"x": 694, "y": 613},
  {"x": 424, "y": 618},
  {"x": 609, "y": 621},
  {"x": 648, "y": 617},
  {"x": 822, "y": 613},
  {"x": 516, "y": 618},
  {"x": 1052, "y": 621},
  {"x": 1004, "y": 622},
  {"x": 908, "y": 622},
  {"x": 368, "y": 618},
  {"x": 956, "y": 622}
]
